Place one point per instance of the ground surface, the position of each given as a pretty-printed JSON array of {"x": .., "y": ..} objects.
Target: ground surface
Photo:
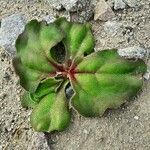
[{"x": 127, "y": 128}]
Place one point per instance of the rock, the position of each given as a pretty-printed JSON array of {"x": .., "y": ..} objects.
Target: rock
[
  {"x": 119, "y": 4},
  {"x": 112, "y": 27},
  {"x": 134, "y": 52},
  {"x": 11, "y": 27},
  {"x": 38, "y": 142},
  {"x": 131, "y": 3},
  {"x": 136, "y": 117},
  {"x": 85, "y": 131},
  {"x": 103, "y": 11},
  {"x": 147, "y": 74}
]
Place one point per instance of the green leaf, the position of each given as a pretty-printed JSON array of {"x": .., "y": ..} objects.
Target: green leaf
[
  {"x": 105, "y": 80},
  {"x": 52, "y": 113},
  {"x": 34, "y": 61},
  {"x": 79, "y": 39}
]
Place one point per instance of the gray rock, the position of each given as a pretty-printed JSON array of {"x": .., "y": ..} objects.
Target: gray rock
[
  {"x": 112, "y": 27},
  {"x": 38, "y": 142},
  {"x": 131, "y": 3},
  {"x": 69, "y": 92},
  {"x": 119, "y": 4},
  {"x": 134, "y": 52},
  {"x": 11, "y": 27},
  {"x": 147, "y": 74},
  {"x": 103, "y": 11}
]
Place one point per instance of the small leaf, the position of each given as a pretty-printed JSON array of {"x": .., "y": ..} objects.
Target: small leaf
[
  {"x": 51, "y": 113},
  {"x": 78, "y": 39},
  {"x": 105, "y": 80}
]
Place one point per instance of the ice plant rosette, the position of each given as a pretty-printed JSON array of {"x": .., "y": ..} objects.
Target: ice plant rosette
[{"x": 51, "y": 56}]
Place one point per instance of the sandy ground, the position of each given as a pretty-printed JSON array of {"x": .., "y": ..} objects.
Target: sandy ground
[{"x": 127, "y": 128}]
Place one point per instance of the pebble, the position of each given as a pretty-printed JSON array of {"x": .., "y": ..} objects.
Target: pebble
[
  {"x": 147, "y": 74},
  {"x": 103, "y": 11},
  {"x": 11, "y": 27},
  {"x": 85, "y": 131},
  {"x": 69, "y": 92},
  {"x": 136, "y": 117}
]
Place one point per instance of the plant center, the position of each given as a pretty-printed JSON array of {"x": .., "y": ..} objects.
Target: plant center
[{"x": 67, "y": 70}]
